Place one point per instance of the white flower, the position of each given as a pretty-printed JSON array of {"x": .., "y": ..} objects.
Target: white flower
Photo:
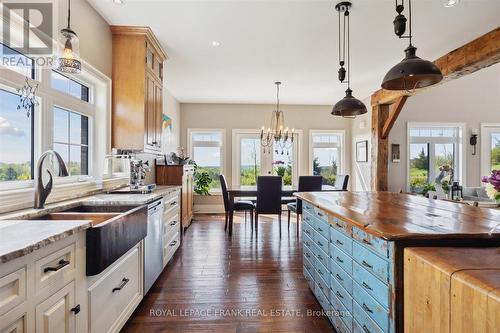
[{"x": 491, "y": 191}]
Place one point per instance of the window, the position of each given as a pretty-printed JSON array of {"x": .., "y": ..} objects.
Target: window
[
  {"x": 17, "y": 61},
  {"x": 434, "y": 150},
  {"x": 206, "y": 147},
  {"x": 69, "y": 86},
  {"x": 490, "y": 148},
  {"x": 249, "y": 160},
  {"x": 326, "y": 150},
  {"x": 71, "y": 140},
  {"x": 16, "y": 139},
  {"x": 283, "y": 162}
]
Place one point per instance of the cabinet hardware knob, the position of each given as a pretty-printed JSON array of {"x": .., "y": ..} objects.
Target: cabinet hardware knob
[
  {"x": 173, "y": 243},
  {"x": 320, "y": 272},
  {"x": 173, "y": 203},
  {"x": 366, "y": 329},
  {"x": 367, "y": 264},
  {"x": 366, "y": 286},
  {"x": 339, "y": 242},
  {"x": 338, "y": 277},
  {"x": 61, "y": 264},
  {"x": 319, "y": 243},
  {"x": 76, "y": 309},
  {"x": 340, "y": 260},
  {"x": 339, "y": 295},
  {"x": 367, "y": 308},
  {"x": 122, "y": 284},
  {"x": 173, "y": 222},
  {"x": 367, "y": 241},
  {"x": 338, "y": 225}
]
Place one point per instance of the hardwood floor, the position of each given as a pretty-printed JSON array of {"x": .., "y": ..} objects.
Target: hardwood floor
[{"x": 215, "y": 284}]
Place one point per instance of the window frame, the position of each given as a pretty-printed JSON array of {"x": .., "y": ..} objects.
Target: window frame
[
  {"x": 342, "y": 154},
  {"x": 485, "y": 149},
  {"x": 222, "y": 147},
  {"x": 459, "y": 143}
]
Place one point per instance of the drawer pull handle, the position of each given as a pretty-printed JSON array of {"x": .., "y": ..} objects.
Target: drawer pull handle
[
  {"x": 366, "y": 286},
  {"x": 173, "y": 203},
  {"x": 61, "y": 264},
  {"x": 339, "y": 225},
  {"x": 307, "y": 232},
  {"x": 308, "y": 255},
  {"x": 367, "y": 264},
  {"x": 173, "y": 243},
  {"x": 339, "y": 242},
  {"x": 320, "y": 215},
  {"x": 367, "y": 242},
  {"x": 307, "y": 266},
  {"x": 339, "y": 278},
  {"x": 320, "y": 257},
  {"x": 366, "y": 329},
  {"x": 367, "y": 308},
  {"x": 339, "y": 295},
  {"x": 319, "y": 229},
  {"x": 320, "y": 272},
  {"x": 122, "y": 284},
  {"x": 173, "y": 223},
  {"x": 319, "y": 243},
  {"x": 320, "y": 287},
  {"x": 308, "y": 244},
  {"x": 340, "y": 260},
  {"x": 76, "y": 309}
]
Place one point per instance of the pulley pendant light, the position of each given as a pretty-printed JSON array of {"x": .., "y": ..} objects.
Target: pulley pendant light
[
  {"x": 349, "y": 106},
  {"x": 69, "y": 59},
  {"x": 412, "y": 72}
]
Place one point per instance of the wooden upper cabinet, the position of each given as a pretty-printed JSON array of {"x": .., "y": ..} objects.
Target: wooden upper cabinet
[{"x": 138, "y": 62}]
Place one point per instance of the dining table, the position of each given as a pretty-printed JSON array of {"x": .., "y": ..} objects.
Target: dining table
[{"x": 251, "y": 191}]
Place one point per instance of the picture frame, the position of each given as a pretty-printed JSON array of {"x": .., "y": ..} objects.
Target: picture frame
[{"x": 362, "y": 151}]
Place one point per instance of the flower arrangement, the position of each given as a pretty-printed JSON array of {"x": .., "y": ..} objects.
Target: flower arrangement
[{"x": 493, "y": 185}]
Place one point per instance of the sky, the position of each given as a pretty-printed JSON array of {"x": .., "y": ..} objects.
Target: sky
[{"x": 15, "y": 130}]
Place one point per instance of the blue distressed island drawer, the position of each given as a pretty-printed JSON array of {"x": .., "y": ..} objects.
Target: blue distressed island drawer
[
  {"x": 309, "y": 266},
  {"x": 307, "y": 229},
  {"x": 341, "y": 294},
  {"x": 309, "y": 243},
  {"x": 341, "y": 259},
  {"x": 324, "y": 287},
  {"x": 322, "y": 215},
  {"x": 321, "y": 242},
  {"x": 323, "y": 259},
  {"x": 342, "y": 277},
  {"x": 342, "y": 226},
  {"x": 339, "y": 325},
  {"x": 371, "y": 261},
  {"x": 376, "y": 311},
  {"x": 308, "y": 218},
  {"x": 339, "y": 239},
  {"x": 322, "y": 272},
  {"x": 309, "y": 277},
  {"x": 371, "y": 284},
  {"x": 364, "y": 322},
  {"x": 343, "y": 313},
  {"x": 323, "y": 228},
  {"x": 307, "y": 253},
  {"x": 307, "y": 207},
  {"x": 374, "y": 243}
]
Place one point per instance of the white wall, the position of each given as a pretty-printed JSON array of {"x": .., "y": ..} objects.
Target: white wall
[
  {"x": 472, "y": 99},
  {"x": 360, "y": 131},
  {"x": 171, "y": 108}
]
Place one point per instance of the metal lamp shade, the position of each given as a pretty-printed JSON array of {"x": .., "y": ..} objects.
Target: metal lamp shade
[
  {"x": 412, "y": 73},
  {"x": 349, "y": 106},
  {"x": 69, "y": 57}
]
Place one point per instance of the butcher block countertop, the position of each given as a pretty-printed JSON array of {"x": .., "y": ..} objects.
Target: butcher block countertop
[{"x": 395, "y": 216}]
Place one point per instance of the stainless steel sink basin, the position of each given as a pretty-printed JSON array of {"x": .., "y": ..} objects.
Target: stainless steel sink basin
[
  {"x": 96, "y": 218},
  {"x": 99, "y": 209}
]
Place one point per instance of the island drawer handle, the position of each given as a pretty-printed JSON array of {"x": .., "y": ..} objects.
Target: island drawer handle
[
  {"x": 320, "y": 287},
  {"x": 308, "y": 244},
  {"x": 320, "y": 272},
  {"x": 173, "y": 203},
  {"x": 320, "y": 257},
  {"x": 76, "y": 309},
  {"x": 366, "y": 329},
  {"x": 319, "y": 229},
  {"x": 307, "y": 232},
  {"x": 320, "y": 214},
  {"x": 338, "y": 277},
  {"x": 339, "y": 225},
  {"x": 122, "y": 284},
  {"x": 308, "y": 255},
  {"x": 173, "y": 223},
  {"x": 339, "y": 295},
  {"x": 367, "y": 264},
  {"x": 340, "y": 260},
  {"x": 319, "y": 243},
  {"x": 366, "y": 286},
  {"x": 61, "y": 264},
  {"x": 173, "y": 243},
  {"x": 367, "y": 308},
  {"x": 367, "y": 241},
  {"x": 307, "y": 266},
  {"x": 339, "y": 242}
]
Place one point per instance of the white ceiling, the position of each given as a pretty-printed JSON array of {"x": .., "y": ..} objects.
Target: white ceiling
[{"x": 291, "y": 41}]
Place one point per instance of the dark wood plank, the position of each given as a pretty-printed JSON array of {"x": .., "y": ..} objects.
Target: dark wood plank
[
  {"x": 396, "y": 109},
  {"x": 213, "y": 274},
  {"x": 380, "y": 148}
]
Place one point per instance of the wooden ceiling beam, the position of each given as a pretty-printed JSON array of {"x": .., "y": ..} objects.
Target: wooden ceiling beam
[{"x": 393, "y": 115}]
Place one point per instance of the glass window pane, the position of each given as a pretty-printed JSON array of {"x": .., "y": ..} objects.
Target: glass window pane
[
  {"x": 495, "y": 151},
  {"x": 75, "y": 160},
  {"x": 283, "y": 163},
  {"x": 63, "y": 150},
  {"x": 326, "y": 138},
  {"x": 207, "y": 136},
  {"x": 419, "y": 166},
  {"x": 15, "y": 139},
  {"x": 326, "y": 164},
  {"x": 249, "y": 161},
  {"x": 17, "y": 61},
  {"x": 444, "y": 158},
  {"x": 208, "y": 160},
  {"x": 69, "y": 86},
  {"x": 78, "y": 128},
  {"x": 61, "y": 125}
]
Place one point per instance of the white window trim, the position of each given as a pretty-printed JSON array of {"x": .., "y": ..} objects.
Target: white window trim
[
  {"x": 223, "y": 146},
  {"x": 485, "y": 146},
  {"x": 461, "y": 142},
  {"x": 342, "y": 147}
]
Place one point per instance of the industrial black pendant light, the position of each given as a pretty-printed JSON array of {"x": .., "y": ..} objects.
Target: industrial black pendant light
[
  {"x": 69, "y": 58},
  {"x": 349, "y": 106},
  {"x": 412, "y": 72}
]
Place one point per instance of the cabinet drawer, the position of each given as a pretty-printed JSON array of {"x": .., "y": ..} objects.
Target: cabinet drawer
[
  {"x": 342, "y": 277},
  {"x": 307, "y": 207},
  {"x": 14, "y": 321},
  {"x": 341, "y": 294},
  {"x": 12, "y": 289},
  {"x": 373, "y": 243},
  {"x": 371, "y": 284},
  {"x": 341, "y": 226},
  {"x": 307, "y": 253},
  {"x": 171, "y": 226},
  {"x": 339, "y": 325},
  {"x": 322, "y": 272},
  {"x": 57, "y": 267},
  {"x": 308, "y": 218},
  {"x": 339, "y": 239},
  {"x": 321, "y": 215},
  {"x": 323, "y": 259},
  {"x": 371, "y": 261},
  {"x": 322, "y": 299},
  {"x": 171, "y": 204},
  {"x": 115, "y": 291},
  {"x": 309, "y": 279},
  {"x": 321, "y": 242},
  {"x": 309, "y": 266},
  {"x": 372, "y": 308},
  {"x": 307, "y": 230},
  {"x": 342, "y": 313},
  {"x": 363, "y": 323},
  {"x": 309, "y": 243},
  {"x": 342, "y": 259},
  {"x": 325, "y": 289},
  {"x": 170, "y": 247},
  {"x": 323, "y": 228}
]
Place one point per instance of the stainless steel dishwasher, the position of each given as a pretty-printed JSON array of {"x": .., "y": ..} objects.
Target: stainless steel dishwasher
[{"x": 153, "y": 245}]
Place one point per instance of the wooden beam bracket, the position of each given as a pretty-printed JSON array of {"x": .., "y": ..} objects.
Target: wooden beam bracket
[{"x": 393, "y": 115}]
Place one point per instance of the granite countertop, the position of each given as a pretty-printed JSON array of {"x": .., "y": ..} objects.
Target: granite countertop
[
  {"x": 19, "y": 238},
  {"x": 20, "y": 235}
]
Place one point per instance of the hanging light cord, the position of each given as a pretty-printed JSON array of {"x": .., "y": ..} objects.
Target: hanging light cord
[
  {"x": 69, "y": 13},
  {"x": 348, "y": 50},
  {"x": 409, "y": 8},
  {"x": 277, "y": 97}
]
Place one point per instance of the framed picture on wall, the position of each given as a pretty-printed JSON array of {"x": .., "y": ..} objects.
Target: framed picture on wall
[{"x": 362, "y": 151}]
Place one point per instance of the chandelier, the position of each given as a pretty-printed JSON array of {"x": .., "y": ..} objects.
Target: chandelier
[{"x": 277, "y": 136}]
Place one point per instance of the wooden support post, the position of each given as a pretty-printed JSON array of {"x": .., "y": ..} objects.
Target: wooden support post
[{"x": 380, "y": 148}]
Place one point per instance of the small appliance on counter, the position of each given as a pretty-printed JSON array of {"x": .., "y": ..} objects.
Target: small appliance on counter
[{"x": 138, "y": 170}]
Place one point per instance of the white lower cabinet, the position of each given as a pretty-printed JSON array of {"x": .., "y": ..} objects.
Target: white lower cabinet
[
  {"x": 115, "y": 293},
  {"x": 57, "y": 313},
  {"x": 171, "y": 226}
]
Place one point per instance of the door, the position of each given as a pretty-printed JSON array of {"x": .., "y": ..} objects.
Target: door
[
  {"x": 55, "y": 315},
  {"x": 490, "y": 148},
  {"x": 150, "y": 116},
  {"x": 158, "y": 115}
]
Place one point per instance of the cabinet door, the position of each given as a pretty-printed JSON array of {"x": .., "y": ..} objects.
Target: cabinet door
[
  {"x": 150, "y": 111},
  {"x": 184, "y": 199},
  {"x": 158, "y": 114},
  {"x": 190, "y": 196},
  {"x": 55, "y": 315}
]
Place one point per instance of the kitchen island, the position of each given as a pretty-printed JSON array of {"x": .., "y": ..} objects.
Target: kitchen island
[{"x": 353, "y": 246}]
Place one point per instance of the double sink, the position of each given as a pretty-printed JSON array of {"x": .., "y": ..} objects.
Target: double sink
[{"x": 115, "y": 230}]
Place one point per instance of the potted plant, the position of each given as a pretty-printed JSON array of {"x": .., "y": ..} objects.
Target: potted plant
[{"x": 202, "y": 180}]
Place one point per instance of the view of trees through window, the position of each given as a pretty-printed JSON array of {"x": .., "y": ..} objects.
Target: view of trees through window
[
  {"x": 495, "y": 151},
  {"x": 250, "y": 161},
  {"x": 207, "y": 153},
  {"x": 15, "y": 139},
  {"x": 325, "y": 163}
]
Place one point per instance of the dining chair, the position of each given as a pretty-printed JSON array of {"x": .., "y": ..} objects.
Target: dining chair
[
  {"x": 341, "y": 182},
  {"x": 237, "y": 206},
  {"x": 306, "y": 184},
  {"x": 268, "y": 198}
]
